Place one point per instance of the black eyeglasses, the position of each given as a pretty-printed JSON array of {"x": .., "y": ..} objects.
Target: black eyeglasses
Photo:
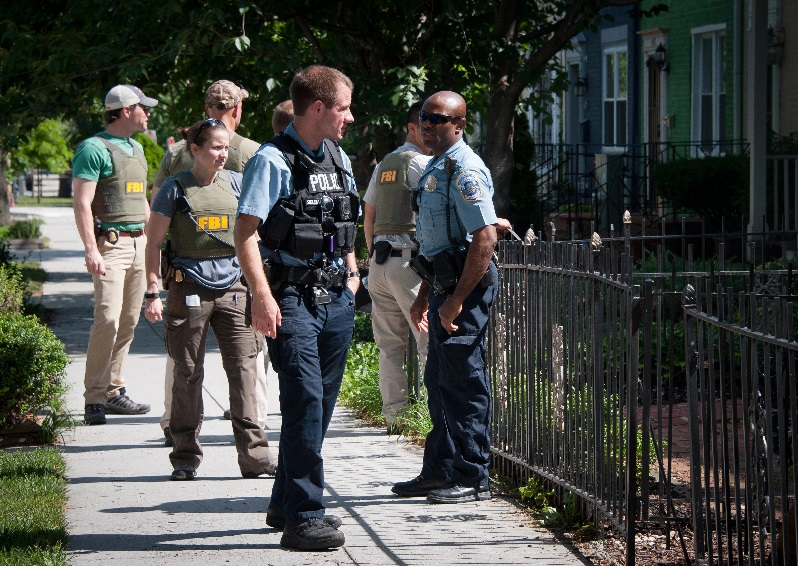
[
  {"x": 437, "y": 119},
  {"x": 209, "y": 123}
]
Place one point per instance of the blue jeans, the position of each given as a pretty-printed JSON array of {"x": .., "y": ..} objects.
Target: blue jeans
[
  {"x": 457, "y": 449},
  {"x": 309, "y": 356}
]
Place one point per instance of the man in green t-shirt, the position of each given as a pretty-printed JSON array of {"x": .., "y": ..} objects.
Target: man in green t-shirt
[{"x": 109, "y": 182}]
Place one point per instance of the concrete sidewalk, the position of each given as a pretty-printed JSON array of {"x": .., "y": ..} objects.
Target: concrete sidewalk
[{"x": 124, "y": 510}]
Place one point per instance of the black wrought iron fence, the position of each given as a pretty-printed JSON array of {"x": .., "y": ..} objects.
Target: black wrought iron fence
[
  {"x": 743, "y": 406},
  {"x": 590, "y": 372},
  {"x": 578, "y": 180}
]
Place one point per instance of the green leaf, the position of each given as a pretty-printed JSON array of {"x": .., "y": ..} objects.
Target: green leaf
[{"x": 242, "y": 43}]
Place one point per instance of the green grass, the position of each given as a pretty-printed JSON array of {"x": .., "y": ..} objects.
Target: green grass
[
  {"x": 45, "y": 201},
  {"x": 33, "y": 530},
  {"x": 33, "y": 275},
  {"x": 360, "y": 392}
]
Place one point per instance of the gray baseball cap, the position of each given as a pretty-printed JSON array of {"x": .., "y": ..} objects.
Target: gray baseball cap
[{"x": 127, "y": 95}]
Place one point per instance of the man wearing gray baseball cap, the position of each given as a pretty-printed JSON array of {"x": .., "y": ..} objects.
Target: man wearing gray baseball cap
[{"x": 109, "y": 182}]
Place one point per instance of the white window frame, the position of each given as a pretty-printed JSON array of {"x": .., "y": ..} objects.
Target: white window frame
[
  {"x": 716, "y": 90},
  {"x": 615, "y": 51}
]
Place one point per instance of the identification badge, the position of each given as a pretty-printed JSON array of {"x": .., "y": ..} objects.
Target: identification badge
[
  {"x": 192, "y": 300},
  {"x": 430, "y": 183}
]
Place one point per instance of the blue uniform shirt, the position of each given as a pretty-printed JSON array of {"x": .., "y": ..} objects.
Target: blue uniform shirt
[
  {"x": 470, "y": 200},
  {"x": 268, "y": 178}
]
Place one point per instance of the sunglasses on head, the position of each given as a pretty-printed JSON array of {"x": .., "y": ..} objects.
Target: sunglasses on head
[
  {"x": 437, "y": 119},
  {"x": 209, "y": 123}
]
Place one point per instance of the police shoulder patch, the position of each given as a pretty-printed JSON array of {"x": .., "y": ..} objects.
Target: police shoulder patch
[{"x": 468, "y": 183}]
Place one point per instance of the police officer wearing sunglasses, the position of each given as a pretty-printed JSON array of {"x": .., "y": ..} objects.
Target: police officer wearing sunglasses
[{"x": 456, "y": 230}]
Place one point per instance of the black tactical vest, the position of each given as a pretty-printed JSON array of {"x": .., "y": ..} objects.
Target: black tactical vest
[{"x": 321, "y": 214}]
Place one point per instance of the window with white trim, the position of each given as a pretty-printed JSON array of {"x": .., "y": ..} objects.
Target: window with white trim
[
  {"x": 615, "y": 93},
  {"x": 709, "y": 93}
]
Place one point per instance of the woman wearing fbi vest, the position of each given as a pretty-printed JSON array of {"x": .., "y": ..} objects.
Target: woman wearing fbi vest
[{"x": 198, "y": 208}]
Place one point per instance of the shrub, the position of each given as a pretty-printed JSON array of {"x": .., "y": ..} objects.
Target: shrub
[
  {"x": 363, "y": 331},
  {"x": 153, "y": 153},
  {"x": 34, "y": 367},
  {"x": 360, "y": 389},
  {"x": 714, "y": 187},
  {"x": 12, "y": 288},
  {"x": 25, "y": 229}
]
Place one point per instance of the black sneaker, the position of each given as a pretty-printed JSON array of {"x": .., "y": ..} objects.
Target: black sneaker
[
  {"x": 167, "y": 437},
  {"x": 183, "y": 473},
  {"x": 123, "y": 405},
  {"x": 94, "y": 414},
  {"x": 311, "y": 534},
  {"x": 275, "y": 518}
]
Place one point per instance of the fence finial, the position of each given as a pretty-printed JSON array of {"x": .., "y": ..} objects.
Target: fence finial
[
  {"x": 551, "y": 230},
  {"x": 595, "y": 241},
  {"x": 627, "y": 217},
  {"x": 530, "y": 237},
  {"x": 688, "y": 297}
]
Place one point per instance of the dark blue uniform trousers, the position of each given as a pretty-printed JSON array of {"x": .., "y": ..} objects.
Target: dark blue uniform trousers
[
  {"x": 309, "y": 355},
  {"x": 457, "y": 448}
]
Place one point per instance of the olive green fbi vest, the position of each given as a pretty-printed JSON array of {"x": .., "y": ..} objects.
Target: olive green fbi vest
[
  {"x": 213, "y": 209},
  {"x": 122, "y": 197},
  {"x": 392, "y": 195}
]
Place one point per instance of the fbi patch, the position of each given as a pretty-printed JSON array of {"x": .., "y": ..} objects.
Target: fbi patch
[
  {"x": 468, "y": 183},
  {"x": 212, "y": 223}
]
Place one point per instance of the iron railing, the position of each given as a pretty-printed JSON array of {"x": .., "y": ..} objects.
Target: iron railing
[
  {"x": 585, "y": 183},
  {"x": 743, "y": 406},
  {"x": 590, "y": 375}
]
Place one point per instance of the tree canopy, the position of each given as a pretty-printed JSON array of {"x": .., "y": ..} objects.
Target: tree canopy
[{"x": 59, "y": 57}]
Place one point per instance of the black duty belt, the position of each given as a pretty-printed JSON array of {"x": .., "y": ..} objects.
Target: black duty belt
[
  {"x": 399, "y": 253},
  {"x": 317, "y": 277}
]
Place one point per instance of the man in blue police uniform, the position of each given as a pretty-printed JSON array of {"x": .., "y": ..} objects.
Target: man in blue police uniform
[
  {"x": 456, "y": 230},
  {"x": 299, "y": 196}
]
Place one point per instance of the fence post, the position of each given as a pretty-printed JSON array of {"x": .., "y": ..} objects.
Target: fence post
[{"x": 691, "y": 352}]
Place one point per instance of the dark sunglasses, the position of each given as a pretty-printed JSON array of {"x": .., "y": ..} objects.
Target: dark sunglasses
[
  {"x": 209, "y": 123},
  {"x": 146, "y": 109},
  {"x": 437, "y": 119}
]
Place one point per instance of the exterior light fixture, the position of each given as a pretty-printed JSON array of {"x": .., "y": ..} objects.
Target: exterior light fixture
[
  {"x": 580, "y": 86},
  {"x": 661, "y": 57}
]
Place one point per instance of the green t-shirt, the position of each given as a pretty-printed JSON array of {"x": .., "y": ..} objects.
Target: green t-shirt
[{"x": 92, "y": 161}]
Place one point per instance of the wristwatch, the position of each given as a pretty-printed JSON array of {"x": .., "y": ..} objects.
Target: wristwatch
[
  {"x": 151, "y": 295},
  {"x": 354, "y": 274}
]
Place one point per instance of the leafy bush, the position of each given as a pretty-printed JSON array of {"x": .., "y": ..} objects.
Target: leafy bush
[
  {"x": 363, "y": 331},
  {"x": 12, "y": 288},
  {"x": 153, "y": 153},
  {"x": 24, "y": 230},
  {"x": 714, "y": 187},
  {"x": 360, "y": 390},
  {"x": 34, "y": 367}
]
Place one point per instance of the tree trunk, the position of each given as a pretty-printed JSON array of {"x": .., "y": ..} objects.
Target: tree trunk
[
  {"x": 499, "y": 155},
  {"x": 5, "y": 205}
]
